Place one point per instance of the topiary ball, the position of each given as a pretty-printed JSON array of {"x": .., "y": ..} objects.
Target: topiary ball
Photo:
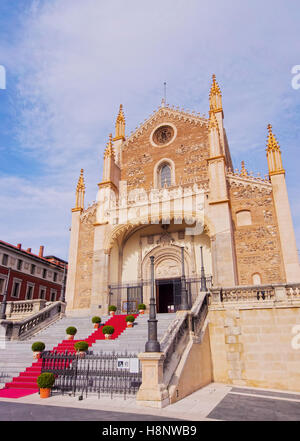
[
  {"x": 96, "y": 319},
  {"x": 45, "y": 380},
  {"x": 81, "y": 346},
  {"x": 130, "y": 318},
  {"x": 108, "y": 330},
  {"x": 38, "y": 346},
  {"x": 71, "y": 330}
]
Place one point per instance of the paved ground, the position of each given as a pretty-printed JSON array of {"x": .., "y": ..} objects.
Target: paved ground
[
  {"x": 214, "y": 402},
  {"x": 35, "y": 412}
]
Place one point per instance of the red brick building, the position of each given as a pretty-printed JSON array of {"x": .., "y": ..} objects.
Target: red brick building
[{"x": 31, "y": 276}]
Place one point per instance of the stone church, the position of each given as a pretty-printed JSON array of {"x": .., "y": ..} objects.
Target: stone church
[{"x": 169, "y": 190}]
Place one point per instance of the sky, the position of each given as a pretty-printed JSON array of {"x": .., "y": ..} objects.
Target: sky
[{"x": 71, "y": 63}]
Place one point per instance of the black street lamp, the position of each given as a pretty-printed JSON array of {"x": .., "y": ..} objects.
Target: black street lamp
[
  {"x": 184, "y": 295},
  {"x": 203, "y": 278},
  {"x": 152, "y": 344},
  {"x": 4, "y": 301}
]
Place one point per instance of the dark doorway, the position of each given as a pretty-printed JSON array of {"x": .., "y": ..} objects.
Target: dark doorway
[{"x": 168, "y": 295}]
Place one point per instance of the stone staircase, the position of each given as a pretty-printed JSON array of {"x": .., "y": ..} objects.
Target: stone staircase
[{"x": 17, "y": 355}]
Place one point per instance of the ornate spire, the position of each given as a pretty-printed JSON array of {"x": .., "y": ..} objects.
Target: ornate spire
[
  {"x": 80, "y": 191},
  {"x": 273, "y": 154},
  {"x": 109, "y": 151},
  {"x": 215, "y": 96},
  {"x": 120, "y": 125}
]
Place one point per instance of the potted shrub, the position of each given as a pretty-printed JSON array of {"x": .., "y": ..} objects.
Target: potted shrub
[
  {"x": 37, "y": 349},
  {"x": 71, "y": 331},
  {"x": 112, "y": 309},
  {"x": 130, "y": 319},
  {"x": 142, "y": 308},
  {"x": 108, "y": 331},
  {"x": 96, "y": 320},
  {"x": 81, "y": 348},
  {"x": 45, "y": 382}
]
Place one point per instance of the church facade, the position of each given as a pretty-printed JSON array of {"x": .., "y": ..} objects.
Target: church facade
[{"x": 169, "y": 191}]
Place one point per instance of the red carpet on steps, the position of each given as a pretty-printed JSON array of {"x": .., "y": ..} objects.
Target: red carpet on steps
[{"x": 25, "y": 383}]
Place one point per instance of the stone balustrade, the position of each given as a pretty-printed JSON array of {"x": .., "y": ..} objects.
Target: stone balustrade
[
  {"x": 21, "y": 309},
  {"x": 20, "y": 329},
  {"x": 256, "y": 294}
]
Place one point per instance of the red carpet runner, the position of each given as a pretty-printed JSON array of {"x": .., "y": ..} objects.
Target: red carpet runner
[{"x": 25, "y": 383}]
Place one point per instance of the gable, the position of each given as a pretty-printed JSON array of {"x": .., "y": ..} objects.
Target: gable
[{"x": 168, "y": 134}]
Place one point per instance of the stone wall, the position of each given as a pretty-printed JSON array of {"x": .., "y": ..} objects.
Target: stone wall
[
  {"x": 83, "y": 282},
  {"x": 189, "y": 152},
  {"x": 257, "y": 245},
  {"x": 253, "y": 347}
]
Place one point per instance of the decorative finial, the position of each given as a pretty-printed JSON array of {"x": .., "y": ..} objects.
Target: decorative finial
[
  {"x": 109, "y": 151},
  {"x": 244, "y": 171},
  {"x": 273, "y": 154},
  {"x": 120, "y": 125},
  {"x": 80, "y": 190},
  {"x": 215, "y": 96}
]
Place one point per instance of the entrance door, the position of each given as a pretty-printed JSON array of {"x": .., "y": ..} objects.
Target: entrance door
[{"x": 168, "y": 295}]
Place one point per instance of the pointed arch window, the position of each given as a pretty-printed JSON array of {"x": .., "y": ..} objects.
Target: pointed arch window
[{"x": 165, "y": 175}]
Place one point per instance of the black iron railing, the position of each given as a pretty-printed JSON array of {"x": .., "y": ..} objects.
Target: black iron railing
[{"x": 103, "y": 373}]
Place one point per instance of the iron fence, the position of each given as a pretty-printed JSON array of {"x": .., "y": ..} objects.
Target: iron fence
[
  {"x": 103, "y": 373},
  {"x": 126, "y": 297}
]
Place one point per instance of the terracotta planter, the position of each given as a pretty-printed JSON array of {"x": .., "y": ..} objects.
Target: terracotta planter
[
  {"x": 36, "y": 355},
  {"x": 129, "y": 325},
  {"x": 107, "y": 336},
  {"x": 96, "y": 326},
  {"x": 45, "y": 393},
  {"x": 81, "y": 354},
  {"x": 142, "y": 311},
  {"x": 70, "y": 337},
  {"x": 111, "y": 313}
]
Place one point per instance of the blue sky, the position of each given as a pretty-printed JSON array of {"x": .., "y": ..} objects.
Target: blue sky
[{"x": 71, "y": 63}]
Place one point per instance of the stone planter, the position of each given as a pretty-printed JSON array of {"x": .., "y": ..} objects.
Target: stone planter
[
  {"x": 112, "y": 313},
  {"x": 107, "y": 336},
  {"x": 129, "y": 325},
  {"x": 142, "y": 311},
  {"x": 70, "y": 337}
]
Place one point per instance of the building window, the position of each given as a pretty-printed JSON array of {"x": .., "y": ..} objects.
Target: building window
[
  {"x": 165, "y": 176},
  {"x": 243, "y": 218},
  {"x": 2, "y": 286},
  {"x": 44, "y": 273},
  {"x": 53, "y": 296},
  {"x": 42, "y": 293},
  {"x": 256, "y": 279},
  {"x": 29, "y": 292},
  {"x": 16, "y": 289},
  {"x": 5, "y": 259},
  {"x": 54, "y": 277},
  {"x": 19, "y": 264},
  {"x": 32, "y": 269}
]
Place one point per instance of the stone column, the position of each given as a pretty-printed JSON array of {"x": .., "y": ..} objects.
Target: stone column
[{"x": 153, "y": 392}]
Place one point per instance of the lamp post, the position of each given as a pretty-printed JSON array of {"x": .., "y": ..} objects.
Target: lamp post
[
  {"x": 4, "y": 301},
  {"x": 152, "y": 344},
  {"x": 184, "y": 297},
  {"x": 203, "y": 278}
]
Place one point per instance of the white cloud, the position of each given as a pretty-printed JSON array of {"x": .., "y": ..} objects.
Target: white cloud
[{"x": 77, "y": 61}]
